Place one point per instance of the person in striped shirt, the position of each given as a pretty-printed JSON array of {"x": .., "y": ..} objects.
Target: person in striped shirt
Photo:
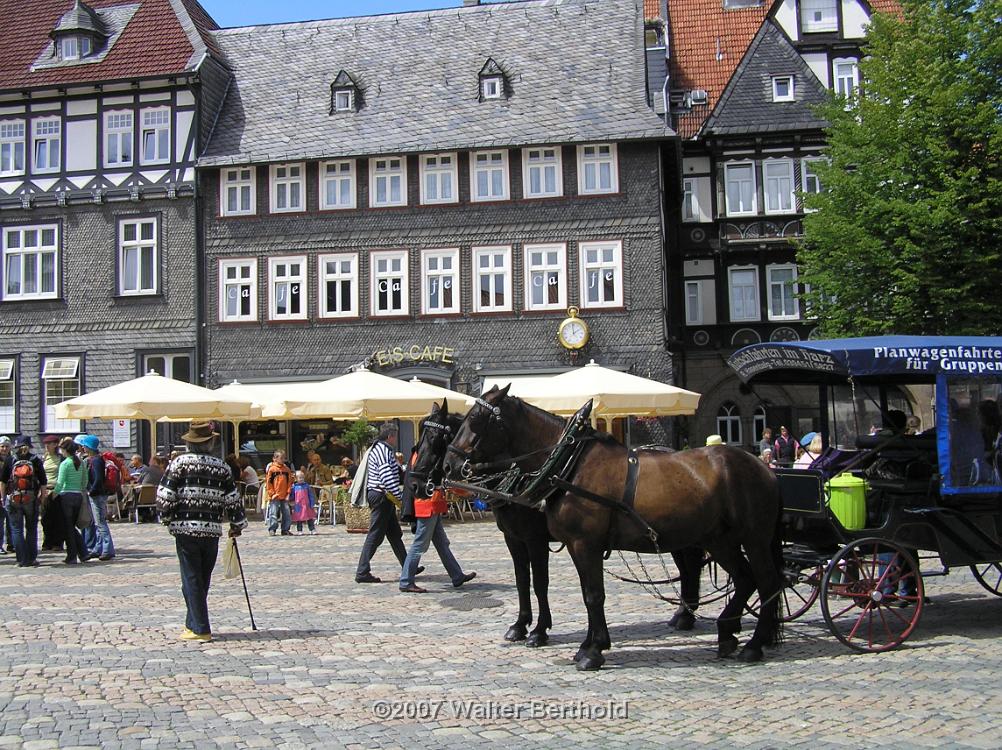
[{"x": 382, "y": 479}]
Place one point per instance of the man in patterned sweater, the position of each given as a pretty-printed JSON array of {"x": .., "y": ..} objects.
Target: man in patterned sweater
[{"x": 196, "y": 491}]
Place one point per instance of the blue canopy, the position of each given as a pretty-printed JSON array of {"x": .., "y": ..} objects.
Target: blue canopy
[{"x": 892, "y": 359}]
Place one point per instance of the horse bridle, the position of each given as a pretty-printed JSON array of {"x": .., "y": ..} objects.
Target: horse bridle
[
  {"x": 494, "y": 414},
  {"x": 436, "y": 429}
]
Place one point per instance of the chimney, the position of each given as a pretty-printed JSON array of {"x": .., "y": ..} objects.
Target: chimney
[{"x": 470, "y": 3}]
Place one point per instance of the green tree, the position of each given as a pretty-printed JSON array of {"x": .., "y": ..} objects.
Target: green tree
[
  {"x": 906, "y": 237},
  {"x": 358, "y": 435}
]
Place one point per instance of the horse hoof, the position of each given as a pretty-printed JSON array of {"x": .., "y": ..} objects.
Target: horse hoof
[
  {"x": 750, "y": 655},
  {"x": 727, "y": 646},
  {"x": 580, "y": 654},
  {"x": 535, "y": 640},
  {"x": 683, "y": 621},
  {"x": 591, "y": 663},
  {"x": 515, "y": 634}
]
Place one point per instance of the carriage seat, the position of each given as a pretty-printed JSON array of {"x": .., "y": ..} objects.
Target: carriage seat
[{"x": 901, "y": 457}]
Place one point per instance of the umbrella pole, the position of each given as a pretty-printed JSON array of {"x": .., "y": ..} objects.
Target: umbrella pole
[
  {"x": 153, "y": 437},
  {"x": 236, "y": 437}
]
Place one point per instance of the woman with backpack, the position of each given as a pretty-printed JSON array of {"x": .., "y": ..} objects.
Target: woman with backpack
[
  {"x": 71, "y": 486},
  {"x": 103, "y": 547}
]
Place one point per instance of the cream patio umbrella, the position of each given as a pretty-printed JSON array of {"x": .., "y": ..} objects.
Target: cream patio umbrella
[
  {"x": 459, "y": 403},
  {"x": 153, "y": 396},
  {"x": 615, "y": 394},
  {"x": 353, "y": 396},
  {"x": 259, "y": 394}
]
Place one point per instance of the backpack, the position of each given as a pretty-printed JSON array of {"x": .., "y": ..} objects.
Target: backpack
[
  {"x": 112, "y": 474},
  {"x": 23, "y": 483},
  {"x": 357, "y": 492}
]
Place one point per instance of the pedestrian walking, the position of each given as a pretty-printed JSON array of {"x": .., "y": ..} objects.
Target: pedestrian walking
[
  {"x": 304, "y": 505},
  {"x": 382, "y": 479},
  {"x": 196, "y": 492},
  {"x": 278, "y": 485}
]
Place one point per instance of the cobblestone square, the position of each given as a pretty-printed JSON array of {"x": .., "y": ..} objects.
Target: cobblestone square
[{"x": 90, "y": 657}]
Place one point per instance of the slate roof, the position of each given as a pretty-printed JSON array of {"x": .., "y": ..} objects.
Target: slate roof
[
  {"x": 707, "y": 44},
  {"x": 575, "y": 71},
  {"x": 160, "y": 37},
  {"x": 746, "y": 105}
]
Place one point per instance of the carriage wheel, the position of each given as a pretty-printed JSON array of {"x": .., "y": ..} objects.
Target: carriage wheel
[
  {"x": 989, "y": 575},
  {"x": 860, "y": 601},
  {"x": 800, "y": 590}
]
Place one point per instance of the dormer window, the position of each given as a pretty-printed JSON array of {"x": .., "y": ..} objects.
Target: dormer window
[
  {"x": 782, "y": 88},
  {"x": 493, "y": 82},
  {"x": 818, "y": 15},
  {"x": 79, "y": 33},
  {"x": 346, "y": 95},
  {"x": 491, "y": 87}
]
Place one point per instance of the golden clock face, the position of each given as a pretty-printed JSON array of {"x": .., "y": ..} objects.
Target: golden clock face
[{"x": 573, "y": 333}]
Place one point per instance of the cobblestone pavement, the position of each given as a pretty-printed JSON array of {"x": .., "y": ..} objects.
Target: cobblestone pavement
[{"x": 89, "y": 656}]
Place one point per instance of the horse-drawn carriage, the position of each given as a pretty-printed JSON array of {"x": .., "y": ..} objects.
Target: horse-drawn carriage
[{"x": 854, "y": 522}]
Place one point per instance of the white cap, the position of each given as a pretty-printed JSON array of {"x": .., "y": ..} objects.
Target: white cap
[{"x": 4, "y": 440}]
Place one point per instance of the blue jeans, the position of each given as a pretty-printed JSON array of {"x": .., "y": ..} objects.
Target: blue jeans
[
  {"x": 102, "y": 545},
  {"x": 278, "y": 508},
  {"x": 24, "y": 530},
  {"x": 4, "y": 524},
  {"x": 430, "y": 531},
  {"x": 197, "y": 555}
]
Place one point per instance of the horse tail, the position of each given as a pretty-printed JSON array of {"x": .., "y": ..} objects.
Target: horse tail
[{"x": 776, "y": 550}]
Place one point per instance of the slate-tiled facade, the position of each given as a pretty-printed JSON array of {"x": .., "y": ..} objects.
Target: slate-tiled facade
[
  {"x": 733, "y": 261},
  {"x": 564, "y": 90},
  {"x": 160, "y": 62}
]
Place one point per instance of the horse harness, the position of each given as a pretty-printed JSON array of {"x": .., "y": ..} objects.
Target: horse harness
[{"x": 533, "y": 489}]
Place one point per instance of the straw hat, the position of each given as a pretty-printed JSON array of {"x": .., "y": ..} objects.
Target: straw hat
[{"x": 714, "y": 440}]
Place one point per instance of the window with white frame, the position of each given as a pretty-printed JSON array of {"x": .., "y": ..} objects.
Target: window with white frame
[
  {"x": 237, "y": 290},
  {"x": 30, "y": 262},
  {"x": 11, "y": 148},
  {"x": 782, "y": 89},
  {"x": 138, "y": 258},
  {"x": 74, "y": 47},
  {"x": 492, "y": 279},
  {"x": 337, "y": 184},
  {"x": 739, "y": 181},
  {"x": 777, "y": 174},
  {"x": 846, "y": 76},
  {"x": 597, "y": 169},
  {"x": 387, "y": 181},
  {"x": 783, "y": 303},
  {"x": 601, "y": 274},
  {"x": 491, "y": 87},
  {"x": 818, "y": 15},
  {"x": 238, "y": 191},
  {"x": 176, "y": 366},
  {"x": 155, "y": 136},
  {"x": 389, "y": 283},
  {"x": 440, "y": 281},
  {"x": 439, "y": 177},
  {"x": 288, "y": 188},
  {"x": 344, "y": 100},
  {"x": 287, "y": 288},
  {"x": 338, "y": 285},
  {"x": 542, "y": 172},
  {"x": 810, "y": 181},
  {"x": 545, "y": 277},
  {"x": 117, "y": 139},
  {"x": 693, "y": 303},
  {"x": 690, "y": 201},
  {"x": 60, "y": 382},
  {"x": 46, "y": 142},
  {"x": 729, "y": 423},
  {"x": 8, "y": 397},
  {"x": 743, "y": 287},
  {"x": 489, "y": 176}
]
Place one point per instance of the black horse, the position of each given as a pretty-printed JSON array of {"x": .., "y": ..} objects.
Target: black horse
[
  {"x": 528, "y": 538},
  {"x": 524, "y": 529},
  {"x": 720, "y": 499}
]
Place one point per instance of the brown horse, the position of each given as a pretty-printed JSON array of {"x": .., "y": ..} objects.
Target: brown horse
[{"x": 720, "y": 499}]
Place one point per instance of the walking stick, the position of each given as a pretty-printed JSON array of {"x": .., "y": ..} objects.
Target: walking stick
[{"x": 236, "y": 551}]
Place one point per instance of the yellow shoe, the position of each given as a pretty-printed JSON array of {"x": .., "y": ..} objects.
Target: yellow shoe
[{"x": 188, "y": 635}]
